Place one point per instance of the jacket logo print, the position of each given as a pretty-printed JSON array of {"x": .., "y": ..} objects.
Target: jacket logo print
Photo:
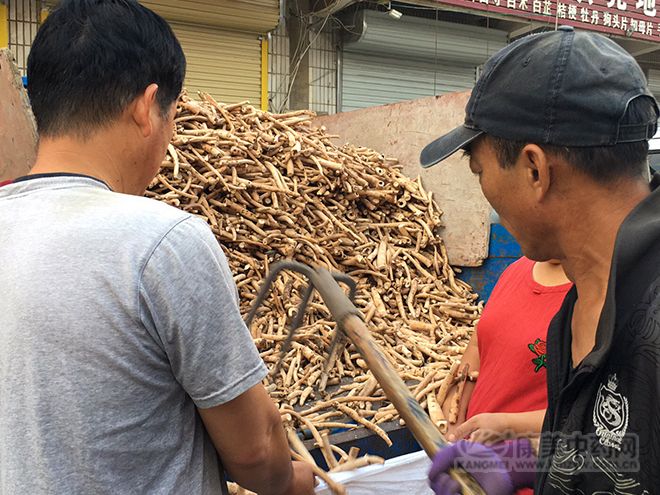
[
  {"x": 538, "y": 348},
  {"x": 610, "y": 414}
]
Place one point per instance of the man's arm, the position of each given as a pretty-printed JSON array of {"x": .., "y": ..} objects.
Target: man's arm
[
  {"x": 247, "y": 433},
  {"x": 471, "y": 357},
  {"x": 189, "y": 304}
]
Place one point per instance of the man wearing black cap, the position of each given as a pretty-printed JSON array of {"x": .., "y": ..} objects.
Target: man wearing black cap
[{"x": 557, "y": 131}]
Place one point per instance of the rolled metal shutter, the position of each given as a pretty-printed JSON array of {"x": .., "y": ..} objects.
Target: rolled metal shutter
[
  {"x": 226, "y": 64},
  {"x": 394, "y": 60},
  {"x": 257, "y": 16},
  {"x": 369, "y": 81}
]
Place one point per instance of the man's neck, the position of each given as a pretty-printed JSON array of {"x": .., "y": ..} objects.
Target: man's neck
[
  {"x": 588, "y": 247},
  {"x": 94, "y": 157}
]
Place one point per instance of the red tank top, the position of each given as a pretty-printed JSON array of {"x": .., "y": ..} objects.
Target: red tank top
[{"x": 511, "y": 334}]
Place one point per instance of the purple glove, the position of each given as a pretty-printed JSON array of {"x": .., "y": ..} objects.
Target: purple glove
[{"x": 500, "y": 469}]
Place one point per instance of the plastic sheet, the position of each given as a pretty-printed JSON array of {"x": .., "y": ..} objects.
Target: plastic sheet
[{"x": 405, "y": 474}]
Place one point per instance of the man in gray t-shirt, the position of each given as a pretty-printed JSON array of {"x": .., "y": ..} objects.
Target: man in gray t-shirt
[{"x": 125, "y": 366}]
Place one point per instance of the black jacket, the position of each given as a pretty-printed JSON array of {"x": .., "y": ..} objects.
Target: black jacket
[{"x": 601, "y": 433}]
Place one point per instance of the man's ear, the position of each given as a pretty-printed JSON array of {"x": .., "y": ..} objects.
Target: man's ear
[
  {"x": 141, "y": 109},
  {"x": 537, "y": 169}
]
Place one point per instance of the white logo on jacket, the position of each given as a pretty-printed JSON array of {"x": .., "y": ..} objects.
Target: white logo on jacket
[{"x": 610, "y": 414}]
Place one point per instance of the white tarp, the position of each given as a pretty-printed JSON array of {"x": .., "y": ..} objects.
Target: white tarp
[{"x": 405, "y": 474}]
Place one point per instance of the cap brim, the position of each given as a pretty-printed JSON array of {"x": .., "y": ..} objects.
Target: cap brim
[{"x": 447, "y": 145}]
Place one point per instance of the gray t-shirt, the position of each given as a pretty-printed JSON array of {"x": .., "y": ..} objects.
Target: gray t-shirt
[{"x": 118, "y": 316}]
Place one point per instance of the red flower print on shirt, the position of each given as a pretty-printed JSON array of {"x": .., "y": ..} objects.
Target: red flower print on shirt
[{"x": 538, "y": 348}]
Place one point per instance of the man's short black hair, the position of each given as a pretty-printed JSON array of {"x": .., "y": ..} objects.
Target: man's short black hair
[
  {"x": 91, "y": 58},
  {"x": 601, "y": 163}
]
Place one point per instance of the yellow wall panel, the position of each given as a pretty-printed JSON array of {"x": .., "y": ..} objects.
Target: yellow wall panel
[{"x": 4, "y": 26}]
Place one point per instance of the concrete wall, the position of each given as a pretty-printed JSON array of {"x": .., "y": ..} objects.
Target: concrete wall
[
  {"x": 18, "y": 132},
  {"x": 401, "y": 130}
]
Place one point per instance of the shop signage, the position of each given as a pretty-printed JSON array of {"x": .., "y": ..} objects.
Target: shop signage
[{"x": 638, "y": 19}]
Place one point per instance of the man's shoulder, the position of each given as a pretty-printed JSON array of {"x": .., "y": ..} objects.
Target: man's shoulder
[
  {"x": 141, "y": 214},
  {"x": 84, "y": 201},
  {"x": 143, "y": 207},
  {"x": 643, "y": 322},
  {"x": 136, "y": 223}
]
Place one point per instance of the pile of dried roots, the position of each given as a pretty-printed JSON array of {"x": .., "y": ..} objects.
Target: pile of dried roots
[{"x": 273, "y": 187}]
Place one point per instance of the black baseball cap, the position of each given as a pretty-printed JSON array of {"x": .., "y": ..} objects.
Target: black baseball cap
[{"x": 564, "y": 88}]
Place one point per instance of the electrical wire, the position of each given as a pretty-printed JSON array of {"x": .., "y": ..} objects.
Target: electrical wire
[
  {"x": 301, "y": 41},
  {"x": 337, "y": 20},
  {"x": 294, "y": 73}
]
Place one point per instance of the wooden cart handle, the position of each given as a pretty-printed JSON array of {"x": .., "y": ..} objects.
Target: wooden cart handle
[
  {"x": 420, "y": 425},
  {"x": 417, "y": 421}
]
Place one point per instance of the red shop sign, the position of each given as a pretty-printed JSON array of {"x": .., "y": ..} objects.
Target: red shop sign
[{"x": 631, "y": 18}]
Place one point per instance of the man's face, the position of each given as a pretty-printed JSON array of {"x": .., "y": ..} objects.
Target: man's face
[{"x": 509, "y": 193}]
